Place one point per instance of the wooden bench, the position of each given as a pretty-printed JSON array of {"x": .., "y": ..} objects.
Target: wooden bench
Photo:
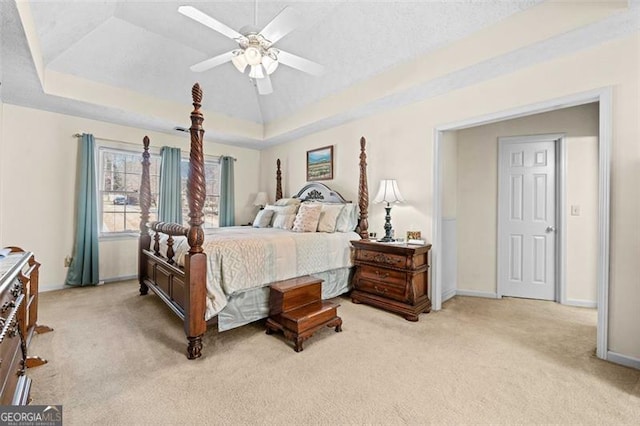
[{"x": 296, "y": 308}]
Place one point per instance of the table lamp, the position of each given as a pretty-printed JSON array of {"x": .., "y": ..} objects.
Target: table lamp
[
  {"x": 388, "y": 193},
  {"x": 261, "y": 200}
]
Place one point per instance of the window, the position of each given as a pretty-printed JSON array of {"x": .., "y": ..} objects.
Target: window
[
  {"x": 212, "y": 179},
  {"x": 119, "y": 186}
]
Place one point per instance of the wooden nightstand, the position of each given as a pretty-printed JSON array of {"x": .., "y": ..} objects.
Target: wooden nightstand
[{"x": 394, "y": 277}]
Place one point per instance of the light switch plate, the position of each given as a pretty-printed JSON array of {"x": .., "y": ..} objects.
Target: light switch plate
[{"x": 575, "y": 210}]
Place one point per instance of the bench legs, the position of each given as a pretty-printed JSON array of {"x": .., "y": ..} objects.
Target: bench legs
[{"x": 299, "y": 338}]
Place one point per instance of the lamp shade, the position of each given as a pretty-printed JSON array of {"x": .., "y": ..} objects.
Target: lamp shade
[
  {"x": 389, "y": 192},
  {"x": 256, "y": 71},
  {"x": 239, "y": 61},
  {"x": 261, "y": 199}
]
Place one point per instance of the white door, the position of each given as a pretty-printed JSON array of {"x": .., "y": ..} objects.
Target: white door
[{"x": 527, "y": 217}]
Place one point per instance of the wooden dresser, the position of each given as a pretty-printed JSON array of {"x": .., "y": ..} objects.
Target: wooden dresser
[
  {"x": 18, "y": 316},
  {"x": 394, "y": 277},
  {"x": 14, "y": 384}
]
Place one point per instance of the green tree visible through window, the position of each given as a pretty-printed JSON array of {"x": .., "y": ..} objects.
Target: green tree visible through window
[{"x": 119, "y": 180}]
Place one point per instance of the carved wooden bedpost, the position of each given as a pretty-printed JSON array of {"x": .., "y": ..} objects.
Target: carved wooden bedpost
[
  {"x": 196, "y": 261},
  {"x": 144, "y": 241},
  {"x": 278, "y": 181},
  {"x": 363, "y": 194}
]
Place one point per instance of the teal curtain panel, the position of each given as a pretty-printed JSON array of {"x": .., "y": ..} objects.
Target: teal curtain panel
[
  {"x": 170, "y": 202},
  {"x": 84, "y": 265},
  {"x": 227, "y": 195}
]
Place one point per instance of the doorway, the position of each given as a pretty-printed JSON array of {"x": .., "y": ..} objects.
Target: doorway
[{"x": 603, "y": 98}]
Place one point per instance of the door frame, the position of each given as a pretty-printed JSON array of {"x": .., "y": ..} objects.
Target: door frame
[
  {"x": 560, "y": 195},
  {"x": 604, "y": 98}
]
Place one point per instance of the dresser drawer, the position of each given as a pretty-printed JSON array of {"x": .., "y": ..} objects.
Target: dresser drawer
[
  {"x": 382, "y": 289},
  {"x": 382, "y": 259}
]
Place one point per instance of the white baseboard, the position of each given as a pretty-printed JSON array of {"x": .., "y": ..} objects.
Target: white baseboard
[
  {"x": 116, "y": 279},
  {"x": 448, "y": 294},
  {"x": 625, "y": 360},
  {"x": 54, "y": 287},
  {"x": 581, "y": 303},
  {"x": 476, "y": 293}
]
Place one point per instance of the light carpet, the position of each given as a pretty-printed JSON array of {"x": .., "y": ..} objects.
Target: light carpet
[{"x": 119, "y": 358}]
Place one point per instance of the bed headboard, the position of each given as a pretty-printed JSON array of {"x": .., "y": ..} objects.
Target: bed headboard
[{"x": 316, "y": 191}]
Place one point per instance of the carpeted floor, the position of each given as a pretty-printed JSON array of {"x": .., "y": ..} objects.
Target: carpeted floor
[{"x": 118, "y": 358}]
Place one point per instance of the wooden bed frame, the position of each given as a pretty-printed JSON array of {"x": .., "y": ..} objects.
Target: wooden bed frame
[{"x": 183, "y": 289}]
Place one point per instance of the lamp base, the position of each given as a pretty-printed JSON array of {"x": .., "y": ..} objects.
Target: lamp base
[{"x": 387, "y": 226}]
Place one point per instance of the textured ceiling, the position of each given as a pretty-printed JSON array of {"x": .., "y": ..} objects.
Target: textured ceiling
[{"x": 147, "y": 47}]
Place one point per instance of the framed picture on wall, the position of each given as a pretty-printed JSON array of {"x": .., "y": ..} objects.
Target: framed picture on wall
[{"x": 320, "y": 164}]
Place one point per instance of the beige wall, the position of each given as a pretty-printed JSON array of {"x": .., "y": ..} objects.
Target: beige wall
[
  {"x": 449, "y": 175},
  {"x": 38, "y": 178},
  {"x": 400, "y": 146},
  {"x": 478, "y": 197}
]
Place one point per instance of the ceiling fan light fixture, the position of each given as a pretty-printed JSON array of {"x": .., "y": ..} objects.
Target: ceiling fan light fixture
[
  {"x": 252, "y": 55},
  {"x": 256, "y": 71},
  {"x": 239, "y": 61},
  {"x": 270, "y": 64}
]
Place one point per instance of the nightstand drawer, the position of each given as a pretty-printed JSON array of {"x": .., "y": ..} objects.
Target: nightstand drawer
[
  {"x": 382, "y": 289},
  {"x": 383, "y": 275},
  {"x": 382, "y": 259}
]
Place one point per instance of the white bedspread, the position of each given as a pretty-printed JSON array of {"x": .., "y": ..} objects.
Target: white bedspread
[{"x": 242, "y": 257}]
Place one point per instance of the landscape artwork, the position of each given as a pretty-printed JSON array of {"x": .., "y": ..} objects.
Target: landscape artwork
[{"x": 320, "y": 164}]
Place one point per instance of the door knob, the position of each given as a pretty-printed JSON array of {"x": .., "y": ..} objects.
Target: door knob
[{"x": 551, "y": 229}]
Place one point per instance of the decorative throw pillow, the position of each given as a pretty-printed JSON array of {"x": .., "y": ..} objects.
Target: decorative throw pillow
[
  {"x": 263, "y": 219},
  {"x": 278, "y": 210},
  {"x": 348, "y": 218},
  {"x": 288, "y": 202},
  {"x": 307, "y": 217},
  {"x": 284, "y": 221},
  {"x": 329, "y": 216}
]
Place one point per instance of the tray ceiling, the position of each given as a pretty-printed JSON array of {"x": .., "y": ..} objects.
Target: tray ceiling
[{"x": 147, "y": 48}]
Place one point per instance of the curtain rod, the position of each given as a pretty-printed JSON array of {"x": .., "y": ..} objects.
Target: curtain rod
[
  {"x": 139, "y": 144},
  {"x": 77, "y": 135}
]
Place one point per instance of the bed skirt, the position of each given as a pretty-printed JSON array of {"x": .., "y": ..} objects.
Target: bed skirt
[{"x": 252, "y": 305}]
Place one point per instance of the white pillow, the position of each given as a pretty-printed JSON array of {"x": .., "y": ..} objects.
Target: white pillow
[
  {"x": 278, "y": 210},
  {"x": 307, "y": 217},
  {"x": 284, "y": 221},
  {"x": 263, "y": 219},
  {"x": 329, "y": 217},
  {"x": 288, "y": 202},
  {"x": 348, "y": 218}
]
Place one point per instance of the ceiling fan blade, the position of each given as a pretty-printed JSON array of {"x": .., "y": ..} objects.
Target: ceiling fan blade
[
  {"x": 212, "y": 62},
  {"x": 264, "y": 85},
  {"x": 208, "y": 21},
  {"x": 299, "y": 63},
  {"x": 284, "y": 22}
]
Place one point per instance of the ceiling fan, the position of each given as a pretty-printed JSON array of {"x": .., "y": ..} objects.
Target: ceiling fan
[{"x": 256, "y": 49}]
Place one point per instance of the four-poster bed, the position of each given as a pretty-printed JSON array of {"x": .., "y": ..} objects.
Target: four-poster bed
[{"x": 178, "y": 265}]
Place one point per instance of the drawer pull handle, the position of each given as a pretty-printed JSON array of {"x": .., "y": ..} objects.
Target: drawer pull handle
[
  {"x": 381, "y": 258},
  {"x": 380, "y": 290},
  {"x": 7, "y": 305},
  {"x": 16, "y": 290},
  {"x": 382, "y": 276}
]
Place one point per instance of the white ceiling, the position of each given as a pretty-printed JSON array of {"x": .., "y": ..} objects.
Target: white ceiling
[{"x": 147, "y": 47}]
